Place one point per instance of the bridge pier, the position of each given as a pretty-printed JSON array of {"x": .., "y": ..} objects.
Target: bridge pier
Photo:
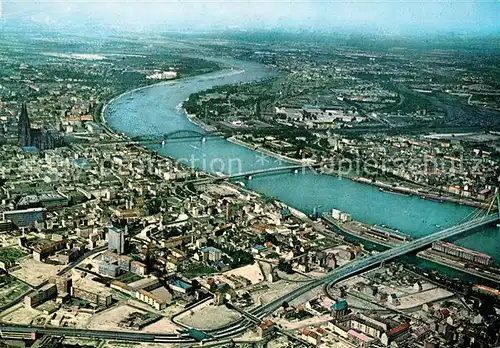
[{"x": 498, "y": 200}]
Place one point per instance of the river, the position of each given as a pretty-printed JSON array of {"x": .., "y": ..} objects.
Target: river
[{"x": 156, "y": 110}]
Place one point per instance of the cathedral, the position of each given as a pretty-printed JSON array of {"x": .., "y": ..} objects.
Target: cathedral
[{"x": 33, "y": 137}]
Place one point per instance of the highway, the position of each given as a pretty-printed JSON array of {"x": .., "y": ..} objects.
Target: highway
[{"x": 260, "y": 312}]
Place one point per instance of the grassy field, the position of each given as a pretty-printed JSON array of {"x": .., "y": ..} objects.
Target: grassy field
[
  {"x": 197, "y": 271},
  {"x": 11, "y": 254},
  {"x": 10, "y": 289},
  {"x": 128, "y": 278}
]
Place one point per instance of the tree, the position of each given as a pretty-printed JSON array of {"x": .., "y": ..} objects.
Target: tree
[
  {"x": 241, "y": 258},
  {"x": 285, "y": 267},
  {"x": 271, "y": 238}
]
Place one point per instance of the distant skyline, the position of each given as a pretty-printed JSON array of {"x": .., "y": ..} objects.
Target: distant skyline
[{"x": 370, "y": 16}]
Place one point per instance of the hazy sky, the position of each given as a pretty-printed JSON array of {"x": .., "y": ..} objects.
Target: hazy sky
[{"x": 390, "y": 16}]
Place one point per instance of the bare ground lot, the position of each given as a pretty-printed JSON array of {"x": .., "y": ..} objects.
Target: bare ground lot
[
  {"x": 419, "y": 298},
  {"x": 110, "y": 318},
  {"x": 18, "y": 314},
  {"x": 163, "y": 325},
  {"x": 250, "y": 272},
  {"x": 273, "y": 291},
  {"x": 206, "y": 317},
  {"x": 34, "y": 272}
]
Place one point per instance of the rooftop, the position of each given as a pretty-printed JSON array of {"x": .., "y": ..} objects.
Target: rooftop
[
  {"x": 181, "y": 284},
  {"x": 360, "y": 336},
  {"x": 266, "y": 324},
  {"x": 44, "y": 197},
  {"x": 209, "y": 249}
]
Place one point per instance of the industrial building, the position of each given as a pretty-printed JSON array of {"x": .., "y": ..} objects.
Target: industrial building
[
  {"x": 384, "y": 231},
  {"x": 211, "y": 254},
  {"x": 39, "y": 296},
  {"x": 26, "y": 217},
  {"x": 341, "y": 216},
  {"x": 157, "y": 296},
  {"x": 462, "y": 253},
  {"x": 93, "y": 296},
  {"x": 109, "y": 269}
]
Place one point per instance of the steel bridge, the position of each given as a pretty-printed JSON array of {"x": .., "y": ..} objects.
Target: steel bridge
[
  {"x": 163, "y": 139},
  {"x": 249, "y": 174},
  {"x": 176, "y": 135}
]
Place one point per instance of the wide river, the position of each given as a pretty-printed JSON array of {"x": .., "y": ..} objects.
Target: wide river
[{"x": 156, "y": 110}]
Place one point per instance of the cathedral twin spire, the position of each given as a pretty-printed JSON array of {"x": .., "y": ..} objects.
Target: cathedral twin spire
[
  {"x": 36, "y": 137},
  {"x": 24, "y": 128}
]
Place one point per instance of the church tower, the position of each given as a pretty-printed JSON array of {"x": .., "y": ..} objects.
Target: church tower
[{"x": 24, "y": 128}]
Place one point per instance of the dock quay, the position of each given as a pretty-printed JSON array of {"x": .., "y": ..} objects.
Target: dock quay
[
  {"x": 373, "y": 233},
  {"x": 423, "y": 193},
  {"x": 465, "y": 262}
]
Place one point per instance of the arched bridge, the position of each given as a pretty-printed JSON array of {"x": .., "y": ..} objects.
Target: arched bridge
[
  {"x": 162, "y": 139},
  {"x": 176, "y": 135}
]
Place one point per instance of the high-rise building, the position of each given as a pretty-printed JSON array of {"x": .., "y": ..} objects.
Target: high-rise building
[{"x": 116, "y": 240}]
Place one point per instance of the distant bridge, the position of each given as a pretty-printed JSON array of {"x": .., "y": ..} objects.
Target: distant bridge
[
  {"x": 176, "y": 135},
  {"x": 163, "y": 139}
]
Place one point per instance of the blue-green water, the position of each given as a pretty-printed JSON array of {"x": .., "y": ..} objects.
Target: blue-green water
[{"x": 156, "y": 110}]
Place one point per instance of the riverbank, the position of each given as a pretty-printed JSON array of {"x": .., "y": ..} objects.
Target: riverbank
[
  {"x": 447, "y": 261},
  {"x": 362, "y": 231},
  {"x": 161, "y": 83},
  {"x": 195, "y": 120},
  {"x": 264, "y": 151},
  {"x": 422, "y": 193}
]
